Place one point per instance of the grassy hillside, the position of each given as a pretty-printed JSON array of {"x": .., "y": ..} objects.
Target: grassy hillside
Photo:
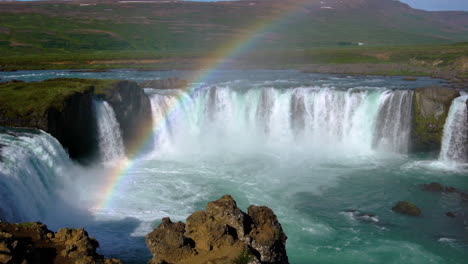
[{"x": 113, "y": 34}]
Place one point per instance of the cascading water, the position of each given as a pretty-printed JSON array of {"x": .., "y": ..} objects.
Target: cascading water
[
  {"x": 327, "y": 118},
  {"x": 32, "y": 166},
  {"x": 455, "y": 139},
  {"x": 111, "y": 145},
  {"x": 393, "y": 126}
]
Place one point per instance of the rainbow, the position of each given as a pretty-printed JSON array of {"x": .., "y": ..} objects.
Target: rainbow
[{"x": 233, "y": 49}]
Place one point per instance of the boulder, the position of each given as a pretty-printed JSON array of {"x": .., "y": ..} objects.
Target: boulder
[
  {"x": 170, "y": 83},
  {"x": 430, "y": 109},
  {"x": 33, "y": 243},
  {"x": 221, "y": 234},
  {"x": 451, "y": 214},
  {"x": 407, "y": 208},
  {"x": 437, "y": 187}
]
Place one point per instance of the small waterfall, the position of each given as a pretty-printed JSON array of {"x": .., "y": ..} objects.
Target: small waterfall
[
  {"x": 455, "y": 139},
  {"x": 393, "y": 127},
  {"x": 111, "y": 145},
  {"x": 33, "y": 169},
  {"x": 357, "y": 120}
]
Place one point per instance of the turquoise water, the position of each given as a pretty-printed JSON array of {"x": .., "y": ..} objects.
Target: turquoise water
[{"x": 312, "y": 181}]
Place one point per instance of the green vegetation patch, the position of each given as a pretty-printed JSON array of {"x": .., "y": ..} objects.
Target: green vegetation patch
[{"x": 27, "y": 98}]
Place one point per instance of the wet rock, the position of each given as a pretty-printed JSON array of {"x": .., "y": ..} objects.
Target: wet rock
[
  {"x": 430, "y": 109},
  {"x": 221, "y": 234},
  {"x": 437, "y": 187},
  {"x": 451, "y": 214},
  {"x": 407, "y": 208},
  {"x": 33, "y": 243},
  {"x": 170, "y": 83}
]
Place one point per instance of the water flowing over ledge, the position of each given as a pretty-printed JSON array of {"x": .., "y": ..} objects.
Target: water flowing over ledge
[
  {"x": 455, "y": 140},
  {"x": 354, "y": 119},
  {"x": 111, "y": 145}
]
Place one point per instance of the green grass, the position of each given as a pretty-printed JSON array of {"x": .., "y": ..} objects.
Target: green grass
[
  {"x": 42, "y": 35},
  {"x": 26, "y": 98}
]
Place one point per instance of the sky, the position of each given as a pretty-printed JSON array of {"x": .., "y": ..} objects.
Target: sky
[{"x": 438, "y": 4}]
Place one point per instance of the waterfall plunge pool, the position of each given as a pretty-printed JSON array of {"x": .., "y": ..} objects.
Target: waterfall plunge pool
[{"x": 312, "y": 147}]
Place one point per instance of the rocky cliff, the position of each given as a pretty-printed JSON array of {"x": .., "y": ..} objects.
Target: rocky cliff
[
  {"x": 221, "y": 234},
  {"x": 64, "y": 108},
  {"x": 33, "y": 243},
  {"x": 430, "y": 110},
  {"x": 132, "y": 108}
]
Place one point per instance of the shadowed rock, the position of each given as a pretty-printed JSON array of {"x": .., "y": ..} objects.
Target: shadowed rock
[
  {"x": 33, "y": 243},
  {"x": 407, "y": 208},
  {"x": 221, "y": 234}
]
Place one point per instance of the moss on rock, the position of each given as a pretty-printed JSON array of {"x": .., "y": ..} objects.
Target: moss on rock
[{"x": 430, "y": 109}]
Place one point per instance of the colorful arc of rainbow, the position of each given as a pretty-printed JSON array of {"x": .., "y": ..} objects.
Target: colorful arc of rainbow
[{"x": 234, "y": 48}]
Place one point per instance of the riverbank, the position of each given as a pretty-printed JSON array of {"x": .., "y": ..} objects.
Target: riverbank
[{"x": 440, "y": 61}]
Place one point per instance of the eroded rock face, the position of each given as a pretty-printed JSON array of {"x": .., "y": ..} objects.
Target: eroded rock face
[
  {"x": 33, "y": 243},
  {"x": 430, "y": 109},
  {"x": 170, "y": 83},
  {"x": 221, "y": 234},
  {"x": 132, "y": 109}
]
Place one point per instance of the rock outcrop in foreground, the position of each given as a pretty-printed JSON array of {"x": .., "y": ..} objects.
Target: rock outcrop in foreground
[
  {"x": 220, "y": 234},
  {"x": 33, "y": 243}
]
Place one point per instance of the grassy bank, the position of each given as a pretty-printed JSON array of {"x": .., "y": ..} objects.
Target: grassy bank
[
  {"x": 401, "y": 60},
  {"x": 23, "y": 98}
]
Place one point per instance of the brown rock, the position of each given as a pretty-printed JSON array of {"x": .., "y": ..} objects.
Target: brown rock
[
  {"x": 407, "y": 208},
  {"x": 33, "y": 243},
  {"x": 221, "y": 234}
]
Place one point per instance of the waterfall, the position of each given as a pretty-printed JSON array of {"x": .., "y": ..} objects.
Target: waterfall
[
  {"x": 318, "y": 118},
  {"x": 455, "y": 139},
  {"x": 33, "y": 168},
  {"x": 393, "y": 126},
  {"x": 111, "y": 145}
]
